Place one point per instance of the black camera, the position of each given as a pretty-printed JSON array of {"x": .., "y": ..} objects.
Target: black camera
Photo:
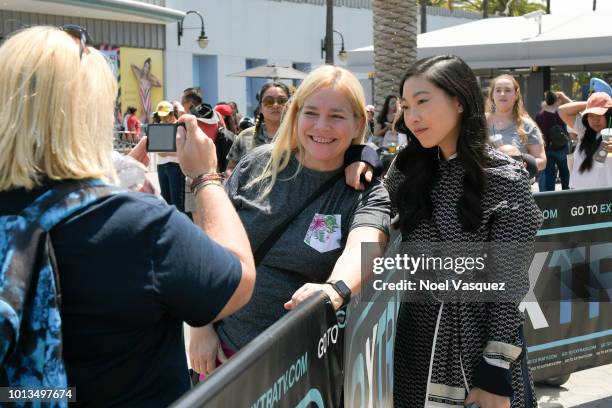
[
  {"x": 203, "y": 110},
  {"x": 161, "y": 137}
]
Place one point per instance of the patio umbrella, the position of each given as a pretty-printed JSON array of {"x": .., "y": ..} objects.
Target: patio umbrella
[{"x": 272, "y": 71}]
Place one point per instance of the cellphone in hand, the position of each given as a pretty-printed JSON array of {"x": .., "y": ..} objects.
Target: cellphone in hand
[{"x": 161, "y": 137}]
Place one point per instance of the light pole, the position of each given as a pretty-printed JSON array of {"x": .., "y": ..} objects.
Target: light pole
[
  {"x": 329, "y": 26},
  {"x": 202, "y": 39},
  {"x": 343, "y": 55}
]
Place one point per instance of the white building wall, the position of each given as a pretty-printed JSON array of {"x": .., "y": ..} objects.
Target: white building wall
[{"x": 279, "y": 32}]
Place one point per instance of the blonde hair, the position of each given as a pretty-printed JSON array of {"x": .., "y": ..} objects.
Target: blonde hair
[
  {"x": 56, "y": 116},
  {"x": 286, "y": 141},
  {"x": 518, "y": 110}
]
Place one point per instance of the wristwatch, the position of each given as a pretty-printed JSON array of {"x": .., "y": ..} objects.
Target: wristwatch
[{"x": 343, "y": 290}]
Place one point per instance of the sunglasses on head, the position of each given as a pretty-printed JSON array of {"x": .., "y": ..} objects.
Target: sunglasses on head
[
  {"x": 269, "y": 101},
  {"x": 79, "y": 33}
]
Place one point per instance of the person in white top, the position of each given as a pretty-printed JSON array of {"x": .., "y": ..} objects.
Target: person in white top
[
  {"x": 588, "y": 119},
  {"x": 171, "y": 178}
]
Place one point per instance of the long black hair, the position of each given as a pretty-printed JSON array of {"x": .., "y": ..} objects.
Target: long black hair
[
  {"x": 260, "y": 117},
  {"x": 382, "y": 116},
  {"x": 590, "y": 142},
  {"x": 420, "y": 165}
]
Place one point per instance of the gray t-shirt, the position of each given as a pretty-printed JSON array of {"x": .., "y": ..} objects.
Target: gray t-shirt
[
  {"x": 509, "y": 135},
  {"x": 308, "y": 249}
]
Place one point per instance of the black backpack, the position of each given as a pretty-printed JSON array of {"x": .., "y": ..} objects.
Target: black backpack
[
  {"x": 223, "y": 144},
  {"x": 557, "y": 137}
]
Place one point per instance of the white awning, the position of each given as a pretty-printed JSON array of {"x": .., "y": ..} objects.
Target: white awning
[
  {"x": 515, "y": 42},
  {"x": 118, "y": 10}
]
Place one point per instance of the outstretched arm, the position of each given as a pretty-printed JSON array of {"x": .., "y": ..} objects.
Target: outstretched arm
[{"x": 347, "y": 268}]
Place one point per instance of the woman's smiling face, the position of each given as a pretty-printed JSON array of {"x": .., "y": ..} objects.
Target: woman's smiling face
[{"x": 326, "y": 126}]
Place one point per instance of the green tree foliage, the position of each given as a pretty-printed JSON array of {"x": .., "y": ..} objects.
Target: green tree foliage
[
  {"x": 495, "y": 7},
  {"x": 449, "y": 4},
  {"x": 501, "y": 7}
]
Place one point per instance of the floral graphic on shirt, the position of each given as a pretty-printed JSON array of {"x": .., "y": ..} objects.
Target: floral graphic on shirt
[{"x": 324, "y": 232}]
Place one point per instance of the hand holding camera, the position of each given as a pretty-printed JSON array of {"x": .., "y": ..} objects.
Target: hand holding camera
[{"x": 196, "y": 151}]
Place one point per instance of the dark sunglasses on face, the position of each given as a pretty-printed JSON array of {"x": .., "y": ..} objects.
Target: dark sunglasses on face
[
  {"x": 80, "y": 34},
  {"x": 268, "y": 101}
]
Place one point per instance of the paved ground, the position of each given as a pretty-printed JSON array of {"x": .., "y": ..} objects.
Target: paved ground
[{"x": 585, "y": 389}]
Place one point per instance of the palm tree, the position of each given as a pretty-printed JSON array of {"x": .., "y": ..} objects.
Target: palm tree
[{"x": 395, "y": 35}]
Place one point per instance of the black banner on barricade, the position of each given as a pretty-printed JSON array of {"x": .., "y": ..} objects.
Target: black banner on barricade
[
  {"x": 295, "y": 363},
  {"x": 574, "y": 332},
  {"x": 369, "y": 341}
]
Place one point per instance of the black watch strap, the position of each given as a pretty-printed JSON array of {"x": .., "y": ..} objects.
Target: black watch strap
[{"x": 343, "y": 290}]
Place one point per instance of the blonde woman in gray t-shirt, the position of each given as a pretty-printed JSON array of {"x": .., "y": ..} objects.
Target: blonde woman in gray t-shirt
[
  {"x": 511, "y": 129},
  {"x": 320, "y": 248}
]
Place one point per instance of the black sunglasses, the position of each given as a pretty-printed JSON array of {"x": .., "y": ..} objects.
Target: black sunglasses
[{"x": 80, "y": 34}]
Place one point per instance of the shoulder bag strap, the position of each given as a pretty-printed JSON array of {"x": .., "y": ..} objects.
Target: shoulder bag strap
[{"x": 276, "y": 233}]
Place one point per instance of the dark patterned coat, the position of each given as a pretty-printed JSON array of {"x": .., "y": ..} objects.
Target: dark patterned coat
[{"x": 443, "y": 349}]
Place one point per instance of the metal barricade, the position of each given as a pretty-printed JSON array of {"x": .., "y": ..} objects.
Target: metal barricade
[{"x": 124, "y": 141}]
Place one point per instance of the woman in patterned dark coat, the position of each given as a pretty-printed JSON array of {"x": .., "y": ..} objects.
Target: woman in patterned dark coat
[{"x": 448, "y": 186}]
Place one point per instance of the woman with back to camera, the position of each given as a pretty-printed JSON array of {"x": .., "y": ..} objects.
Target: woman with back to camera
[
  {"x": 589, "y": 119},
  {"x": 511, "y": 129},
  {"x": 449, "y": 186},
  {"x": 271, "y": 183},
  {"x": 131, "y": 268}
]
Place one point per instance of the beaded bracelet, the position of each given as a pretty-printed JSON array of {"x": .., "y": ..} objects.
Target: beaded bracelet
[
  {"x": 203, "y": 184},
  {"x": 203, "y": 178}
]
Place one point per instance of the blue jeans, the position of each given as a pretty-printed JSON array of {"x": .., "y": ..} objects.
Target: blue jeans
[
  {"x": 556, "y": 159},
  {"x": 172, "y": 184}
]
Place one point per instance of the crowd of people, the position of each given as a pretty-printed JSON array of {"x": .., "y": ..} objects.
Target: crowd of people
[
  {"x": 562, "y": 130},
  {"x": 218, "y": 251},
  {"x": 545, "y": 144}
]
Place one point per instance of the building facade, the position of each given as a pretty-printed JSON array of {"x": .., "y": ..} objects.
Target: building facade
[
  {"x": 247, "y": 33},
  {"x": 140, "y": 39},
  {"x": 131, "y": 34}
]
